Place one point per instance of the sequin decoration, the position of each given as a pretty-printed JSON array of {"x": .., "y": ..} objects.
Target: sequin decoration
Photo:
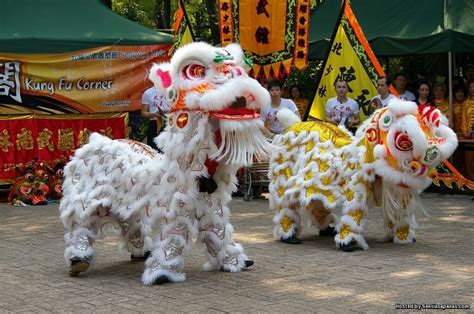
[
  {"x": 230, "y": 260},
  {"x": 82, "y": 242},
  {"x": 212, "y": 247}
]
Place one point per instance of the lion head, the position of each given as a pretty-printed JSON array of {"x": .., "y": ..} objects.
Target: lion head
[
  {"x": 408, "y": 142},
  {"x": 213, "y": 81}
]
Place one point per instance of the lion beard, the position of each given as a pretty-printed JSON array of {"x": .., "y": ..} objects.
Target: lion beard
[{"x": 242, "y": 143}]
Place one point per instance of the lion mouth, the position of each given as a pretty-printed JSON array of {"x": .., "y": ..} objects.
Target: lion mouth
[{"x": 236, "y": 111}]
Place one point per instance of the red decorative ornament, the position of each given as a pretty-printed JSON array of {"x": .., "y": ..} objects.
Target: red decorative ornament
[
  {"x": 182, "y": 120},
  {"x": 372, "y": 135}
]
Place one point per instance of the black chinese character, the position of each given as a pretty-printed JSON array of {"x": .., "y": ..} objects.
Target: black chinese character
[
  {"x": 364, "y": 103},
  {"x": 301, "y": 32},
  {"x": 302, "y": 20},
  {"x": 226, "y": 17},
  {"x": 300, "y": 54},
  {"x": 225, "y": 6},
  {"x": 301, "y": 42},
  {"x": 322, "y": 91},
  {"x": 226, "y": 29},
  {"x": 346, "y": 75},
  {"x": 262, "y": 7},
  {"x": 261, "y": 35},
  {"x": 337, "y": 48},
  {"x": 328, "y": 70}
]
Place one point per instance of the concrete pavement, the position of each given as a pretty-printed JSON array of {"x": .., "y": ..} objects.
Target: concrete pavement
[{"x": 312, "y": 277}]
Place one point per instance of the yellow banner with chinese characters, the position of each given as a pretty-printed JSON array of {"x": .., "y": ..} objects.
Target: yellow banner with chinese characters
[
  {"x": 103, "y": 79},
  {"x": 351, "y": 59}
]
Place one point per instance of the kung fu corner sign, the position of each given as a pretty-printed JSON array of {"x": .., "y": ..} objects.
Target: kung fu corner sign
[{"x": 103, "y": 79}]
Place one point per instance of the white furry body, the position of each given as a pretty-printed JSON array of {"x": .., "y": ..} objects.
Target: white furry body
[{"x": 109, "y": 178}]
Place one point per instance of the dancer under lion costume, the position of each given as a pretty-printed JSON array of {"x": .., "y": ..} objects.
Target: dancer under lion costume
[
  {"x": 212, "y": 131},
  {"x": 319, "y": 166}
]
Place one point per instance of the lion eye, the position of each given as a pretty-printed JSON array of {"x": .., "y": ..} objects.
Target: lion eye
[
  {"x": 386, "y": 121},
  {"x": 29, "y": 177},
  {"x": 193, "y": 72}
]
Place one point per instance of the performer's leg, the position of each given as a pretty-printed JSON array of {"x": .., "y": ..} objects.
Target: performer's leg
[
  {"x": 216, "y": 233},
  {"x": 133, "y": 239},
  {"x": 166, "y": 261},
  {"x": 151, "y": 134},
  {"x": 79, "y": 253},
  {"x": 352, "y": 225},
  {"x": 322, "y": 218},
  {"x": 287, "y": 224},
  {"x": 398, "y": 208}
]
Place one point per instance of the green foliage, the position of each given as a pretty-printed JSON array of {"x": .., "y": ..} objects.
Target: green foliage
[
  {"x": 140, "y": 11},
  {"x": 305, "y": 79}
]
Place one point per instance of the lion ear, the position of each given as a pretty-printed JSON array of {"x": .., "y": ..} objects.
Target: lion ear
[{"x": 160, "y": 75}]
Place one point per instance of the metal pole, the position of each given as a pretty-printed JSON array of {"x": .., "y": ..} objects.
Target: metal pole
[{"x": 450, "y": 90}]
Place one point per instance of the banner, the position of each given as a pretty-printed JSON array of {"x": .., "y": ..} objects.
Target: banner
[
  {"x": 349, "y": 58},
  {"x": 103, "y": 79},
  {"x": 273, "y": 34},
  {"x": 51, "y": 137},
  {"x": 183, "y": 33}
]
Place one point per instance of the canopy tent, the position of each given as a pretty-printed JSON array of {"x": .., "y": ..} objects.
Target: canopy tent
[
  {"x": 400, "y": 27},
  {"x": 56, "y": 26}
]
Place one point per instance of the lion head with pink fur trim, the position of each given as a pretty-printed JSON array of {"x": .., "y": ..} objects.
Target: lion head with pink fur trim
[{"x": 213, "y": 81}]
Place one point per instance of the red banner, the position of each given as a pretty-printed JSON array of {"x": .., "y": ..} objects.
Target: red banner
[{"x": 51, "y": 137}]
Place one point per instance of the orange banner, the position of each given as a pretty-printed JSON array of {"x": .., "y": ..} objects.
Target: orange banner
[
  {"x": 51, "y": 137},
  {"x": 103, "y": 79},
  {"x": 273, "y": 34}
]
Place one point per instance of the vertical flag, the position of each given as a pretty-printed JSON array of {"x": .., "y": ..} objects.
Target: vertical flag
[
  {"x": 183, "y": 33},
  {"x": 349, "y": 58},
  {"x": 273, "y": 34}
]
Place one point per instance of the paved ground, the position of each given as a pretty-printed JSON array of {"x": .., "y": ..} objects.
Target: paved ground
[{"x": 312, "y": 277}]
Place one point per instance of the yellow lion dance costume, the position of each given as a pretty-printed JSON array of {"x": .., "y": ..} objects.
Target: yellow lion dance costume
[{"x": 318, "y": 167}]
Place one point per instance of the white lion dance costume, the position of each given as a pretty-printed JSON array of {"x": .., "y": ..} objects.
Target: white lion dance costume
[
  {"x": 319, "y": 167},
  {"x": 212, "y": 131}
]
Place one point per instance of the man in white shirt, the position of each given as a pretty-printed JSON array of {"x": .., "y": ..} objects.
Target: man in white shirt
[
  {"x": 341, "y": 109},
  {"x": 154, "y": 107},
  {"x": 268, "y": 113},
  {"x": 384, "y": 96},
  {"x": 400, "y": 83}
]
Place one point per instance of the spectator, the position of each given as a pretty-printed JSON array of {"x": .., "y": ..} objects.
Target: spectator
[
  {"x": 341, "y": 109},
  {"x": 439, "y": 91},
  {"x": 301, "y": 103},
  {"x": 469, "y": 73},
  {"x": 468, "y": 113},
  {"x": 468, "y": 129},
  {"x": 424, "y": 94},
  {"x": 268, "y": 113},
  {"x": 384, "y": 96},
  {"x": 154, "y": 108},
  {"x": 400, "y": 83},
  {"x": 459, "y": 104}
]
